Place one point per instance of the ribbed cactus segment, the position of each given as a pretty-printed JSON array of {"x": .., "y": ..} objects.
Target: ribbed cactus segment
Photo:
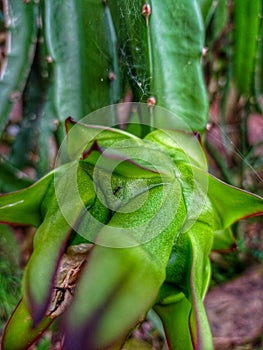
[
  {"x": 84, "y": 56},
  {"x": 161, "y": 45},
  {"x": 247, "y": 24},
  {"x": 21, "y": 24}
]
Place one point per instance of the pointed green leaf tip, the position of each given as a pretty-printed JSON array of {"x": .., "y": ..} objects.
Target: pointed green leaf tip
[
  {"x": 231, "y": 203},
  {"x": 23, "y": 207},
  {"x": 19, "y": 334}
]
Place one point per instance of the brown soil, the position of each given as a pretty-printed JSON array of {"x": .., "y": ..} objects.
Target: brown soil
[{"x": 235, "y": 312}]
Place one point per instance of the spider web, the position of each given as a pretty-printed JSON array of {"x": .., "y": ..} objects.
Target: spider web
[{"x": 133, "y": 44}]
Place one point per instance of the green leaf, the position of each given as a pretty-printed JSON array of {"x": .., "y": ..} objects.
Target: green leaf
[
  {"x": 188, "y": 291},
  {"x": 62, "y": 213},
  {"x": 10, "y": 273},
  {"x": 224, "y": 240},
  {"x": 19, "y": 332},
  {"x": 117, "y": 151},
  {"x": 180, "y": 146},
  {"x": 201, "y": 238},
  {"x": 9, "y": 251},
  {"x": 188, "y": 272},
  {"x": 131, "y": 162},
  {"x": 118, "y": 162},
  {"x": 216, "y": 16},
  {"x": 231, "y": 203},
  {"x": 23, "y": 207},
  {"x": 115, "y": 301},
  {"x": 113, "y": 275},
  {"x": 11, "y": 178},
  {"x": 205, "y": 6},
  {"x": 175, "y": 317},
  {"x": 219, "y": 20},
  {"x": 80, "y": 136}
]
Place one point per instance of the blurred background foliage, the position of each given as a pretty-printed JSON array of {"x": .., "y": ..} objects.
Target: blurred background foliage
[
  {"x": 31, "y": 122},
  {"x": 234, "y": 138}
]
